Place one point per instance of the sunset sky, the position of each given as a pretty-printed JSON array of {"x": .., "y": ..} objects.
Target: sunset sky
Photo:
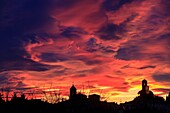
[{"x": 105, "y": 47}]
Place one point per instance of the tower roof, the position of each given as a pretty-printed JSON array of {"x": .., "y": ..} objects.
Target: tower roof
[
  {"x": 73, "y": 87},
  {"x": 144, "y": 80}
]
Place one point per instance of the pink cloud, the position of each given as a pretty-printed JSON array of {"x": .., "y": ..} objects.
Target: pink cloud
[{"x": 86, "y": 58}]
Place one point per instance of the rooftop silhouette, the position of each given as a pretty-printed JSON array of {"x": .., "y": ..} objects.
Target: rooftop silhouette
[{"x": 78, "y": 102}]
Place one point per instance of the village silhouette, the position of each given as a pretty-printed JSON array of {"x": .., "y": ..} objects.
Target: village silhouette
[{"x": 80, "y": 103}]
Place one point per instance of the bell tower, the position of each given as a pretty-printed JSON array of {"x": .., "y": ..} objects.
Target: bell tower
[
  {"x": 73, "y": 91},
  {"x": 144, "y": 85}
]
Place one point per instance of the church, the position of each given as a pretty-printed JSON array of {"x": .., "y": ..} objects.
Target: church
[
  {"x": 74, "y": 96},
  {"x": 145, "y": 90},
  {"x": 79, "y": 97}
]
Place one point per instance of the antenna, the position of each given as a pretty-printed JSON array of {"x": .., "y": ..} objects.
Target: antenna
[
  {"x": 89, "y": 87},
  {"x": 83, "y": 88}
]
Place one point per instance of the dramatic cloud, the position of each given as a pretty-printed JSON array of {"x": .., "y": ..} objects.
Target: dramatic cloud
[
  {"x": 164, "y": 91},
  {"x": 145, "y": 67},
  {"x": 161, "y": 77},
  {"x": 103, "y": 46}
]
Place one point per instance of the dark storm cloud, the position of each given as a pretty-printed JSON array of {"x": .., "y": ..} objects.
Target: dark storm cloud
[
  {"x": 3, "y": 78},
  {"x": 166, "y": 4},
  {"x": 165, "y": 37},
  {"x": 56, "y": 57},
  {"x": 74, "y": 32},
  {"x": 135, "y": 52},
  {"x": 64, "y": 4},
  {"x": 145, "y": 67},
  {"x": 150, "y": 39},
  {"x": 23, "y": 64},
  {"x": 8, "y": 79},
  {"x": 93, "y": 62},
  {"x": 156, "y": 48},
  {"x": 126, "y": 66},
  {"x": 108, "y": 76},
  {"x": 109, "y": 31},
  {"x": 161, "y": 77},
  {"x": 89, "y": 61},
  {"x": 17, "y": 19},
  {"x": 18, "y": 16},
  {"x": 64, "y": 71},
  {"x": 129, "y": 53},
  {"x": 53, "y": 57},
  {"x": 111, "y": 5},
  {"x": 93, "y": 46}
]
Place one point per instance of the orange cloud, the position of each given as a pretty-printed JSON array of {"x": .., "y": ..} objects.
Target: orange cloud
[{"x": 137, "y": 47}]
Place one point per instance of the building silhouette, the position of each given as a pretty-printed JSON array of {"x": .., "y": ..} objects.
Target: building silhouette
[
  {"x": 145, "y": 90},
  {"x": 79, "y": 103},
  {"x": 94, "y": 98},
  {"x": 73, "y": 92},
  {"x": 168, "y": 98},
  {"x": 77, "y": 97},
  {"x": 1, "y": 98}
]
